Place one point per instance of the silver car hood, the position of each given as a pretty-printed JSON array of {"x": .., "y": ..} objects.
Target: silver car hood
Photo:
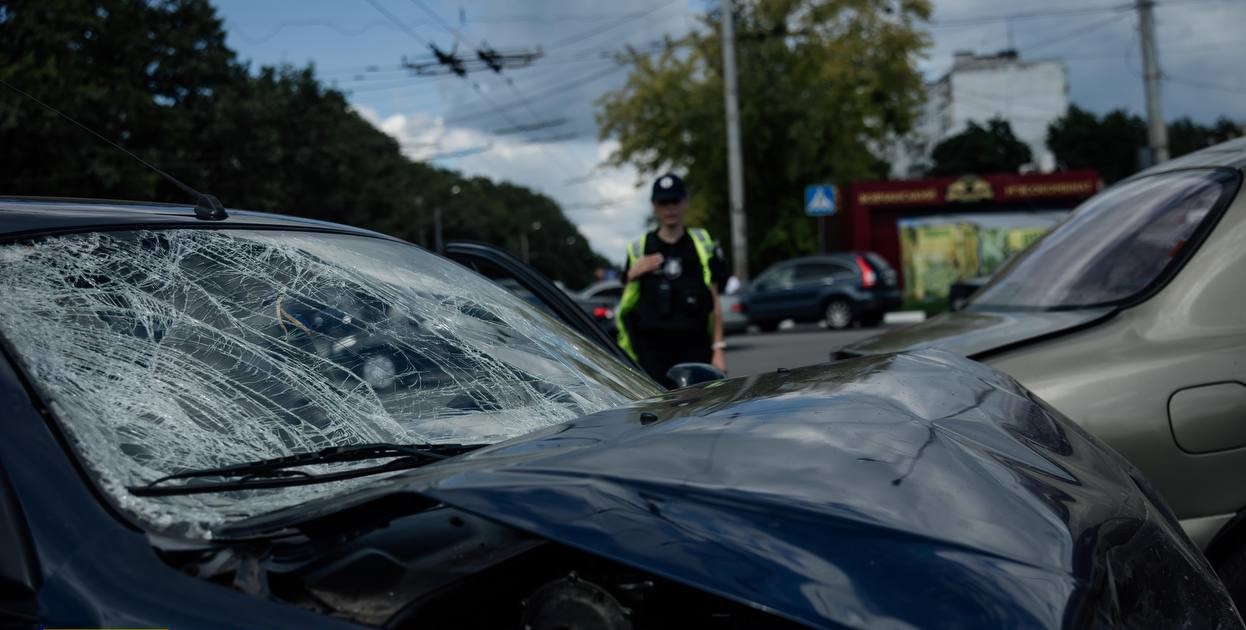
[{"x": 972, "y": 333}]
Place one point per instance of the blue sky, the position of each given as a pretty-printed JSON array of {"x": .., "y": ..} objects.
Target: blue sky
[{"x": 359, "y": 45}]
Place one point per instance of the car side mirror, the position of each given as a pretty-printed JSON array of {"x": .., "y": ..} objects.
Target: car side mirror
[{"x": 685, "y": 374}]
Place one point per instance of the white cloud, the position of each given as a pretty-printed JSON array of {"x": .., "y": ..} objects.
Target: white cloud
[
  {"x": 1197, "y": 41},
  {"x": 1101, "y": 50},
  {"x": 607, "y": 206}
]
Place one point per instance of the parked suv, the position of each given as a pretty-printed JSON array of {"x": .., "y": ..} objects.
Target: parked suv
[{"x": 840, "y": 288}]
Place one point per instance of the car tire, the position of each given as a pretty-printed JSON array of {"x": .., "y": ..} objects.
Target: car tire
[
  {"x": 838, "y": 314},
  {"x": 767, "y": 325},
  {"x": 871, "y": 320}
]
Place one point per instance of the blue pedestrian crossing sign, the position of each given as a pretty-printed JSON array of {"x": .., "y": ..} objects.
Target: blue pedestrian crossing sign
[{"x": 820, "y": 200}]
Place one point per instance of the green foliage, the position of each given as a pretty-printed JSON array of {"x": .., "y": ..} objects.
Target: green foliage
[
  {"x": 821, "y": 83},
  {"x": 1186, "y": 136},
  {"x": 1108, "y": 145},
  {"x": 158, "y": 78},
  {"x": 1111, "y": 144},
  {"x": 978, "y": 149}
]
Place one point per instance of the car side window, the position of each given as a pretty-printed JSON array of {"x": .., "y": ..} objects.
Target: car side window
[
  {"x": 613, "y": 293},
  {"x": 775, "y": 279},
  {"x": 820, "y": 271}
]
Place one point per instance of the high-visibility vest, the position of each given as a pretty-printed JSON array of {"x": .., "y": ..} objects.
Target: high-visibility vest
[{"x": 704, "y": 245}]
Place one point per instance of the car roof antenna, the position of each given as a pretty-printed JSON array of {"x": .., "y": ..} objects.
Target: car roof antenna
[{"x": 207, "y": 207}]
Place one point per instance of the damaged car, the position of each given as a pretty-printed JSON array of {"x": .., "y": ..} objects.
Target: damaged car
[
  {"x": 261, "y": 421},
  {"x": 1128, "y": 318}
]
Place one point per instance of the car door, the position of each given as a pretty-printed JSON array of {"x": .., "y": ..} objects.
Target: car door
[
  {"x": 768, "y": 298},
  {"x": 501, "y": 266},
  {"x": 810, "y": 286},
  {"x": 19, "y": 573}
]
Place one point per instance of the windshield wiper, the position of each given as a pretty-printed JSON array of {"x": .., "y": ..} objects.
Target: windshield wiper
[{"x": 276, "y": 473}]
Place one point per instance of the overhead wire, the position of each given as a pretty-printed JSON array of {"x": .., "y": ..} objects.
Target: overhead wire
[
  {"x": 593, "y": 32},
  {"x": 1027, "y": 15},
  {"x": 437, "y": 18},
  {"x": 340, "y": 28},
  {"x": 1168, "y": 52},
  {"x": 482, "y": 154},
  {"x": 1040, "y": 14},
  {"x": 1206, "y": 85},
  {"x": 523, "y": 100},
  {"x": 548, "y": 19},
  {"x": 526, "y": 101},
  {"x": 397, "y": 22},
  {"x": 1076, "y": 33},
  {"x": 561, "y": 88}
]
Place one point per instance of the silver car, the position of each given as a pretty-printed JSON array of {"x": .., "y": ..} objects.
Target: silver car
[{"x": 1130, "y": 318}]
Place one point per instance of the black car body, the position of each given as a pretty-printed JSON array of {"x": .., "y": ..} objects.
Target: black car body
[
  {"x": 912, "y": 490},
  {"x": 846, "y": 288}
]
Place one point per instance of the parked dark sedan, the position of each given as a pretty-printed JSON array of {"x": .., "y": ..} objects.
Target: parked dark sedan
[
  {"x": 198, "y": 433},
  {"x": 842, "y": 289}
]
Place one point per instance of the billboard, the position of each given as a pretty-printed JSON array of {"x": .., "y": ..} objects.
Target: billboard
[{"x": 936, "y": 251}]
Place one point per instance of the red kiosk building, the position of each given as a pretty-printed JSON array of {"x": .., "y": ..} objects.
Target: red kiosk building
[{"x": 940, "y": 229}]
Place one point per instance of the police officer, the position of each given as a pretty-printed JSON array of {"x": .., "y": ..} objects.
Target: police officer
[{"x": 669, "y": 312}]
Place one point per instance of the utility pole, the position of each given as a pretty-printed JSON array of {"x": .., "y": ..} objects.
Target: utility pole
[
  {"x": 1158, "y": 133},
  {"x": 735, "y": 171}
]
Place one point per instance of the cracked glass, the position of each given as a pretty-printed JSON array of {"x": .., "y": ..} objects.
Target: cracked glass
[{"x": 161, "y": 351}]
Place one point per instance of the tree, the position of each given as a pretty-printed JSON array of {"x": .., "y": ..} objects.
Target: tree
[
  {"x": 978, "y": 149},
  {"x": 1113, "y": 144},
  {"x": 1109, "y": 145},
  {"x": 158, "y": 78},
  {"x": 821, "y": 83},
  {"x": 1186, "y": 136}
]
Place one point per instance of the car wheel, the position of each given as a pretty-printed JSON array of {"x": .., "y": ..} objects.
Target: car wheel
[
  {"x": 838, "y": 314},
  {"x": 768, "y": 325}
]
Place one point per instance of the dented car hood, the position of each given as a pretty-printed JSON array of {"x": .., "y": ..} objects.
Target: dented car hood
[{"x": 905, "y": 490}]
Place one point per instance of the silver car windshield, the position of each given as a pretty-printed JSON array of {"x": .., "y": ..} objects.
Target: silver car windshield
[
  {"x": 160, "y": 351},
  {"x": 1114, "y": 246}
]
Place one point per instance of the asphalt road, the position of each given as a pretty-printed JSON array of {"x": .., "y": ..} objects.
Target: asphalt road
[{"x": 755, "y": 353}]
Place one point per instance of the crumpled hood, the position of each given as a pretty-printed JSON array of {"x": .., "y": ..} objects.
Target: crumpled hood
[
  {"x": 910, "y": 490},
  {"x": 971, "y": 332},
  {"x": 874, "y": 493}
]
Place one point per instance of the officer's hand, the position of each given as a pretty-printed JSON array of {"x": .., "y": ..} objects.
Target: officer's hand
[
  {"x": 719, "y": 360},
  {"x": 644, "y": 266}
]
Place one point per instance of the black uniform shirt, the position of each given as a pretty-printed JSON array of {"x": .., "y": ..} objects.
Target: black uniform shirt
[{"x": 674, "y": 297}]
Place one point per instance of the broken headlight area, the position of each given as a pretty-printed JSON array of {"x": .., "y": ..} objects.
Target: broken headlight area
[{"x": 444, "y": 568}]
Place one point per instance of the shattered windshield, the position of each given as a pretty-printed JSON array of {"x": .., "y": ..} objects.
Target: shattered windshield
[{"x": 161, "y": 351}]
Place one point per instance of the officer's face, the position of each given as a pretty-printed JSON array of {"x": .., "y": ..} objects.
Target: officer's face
[{"x": 670, "y": 213}]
